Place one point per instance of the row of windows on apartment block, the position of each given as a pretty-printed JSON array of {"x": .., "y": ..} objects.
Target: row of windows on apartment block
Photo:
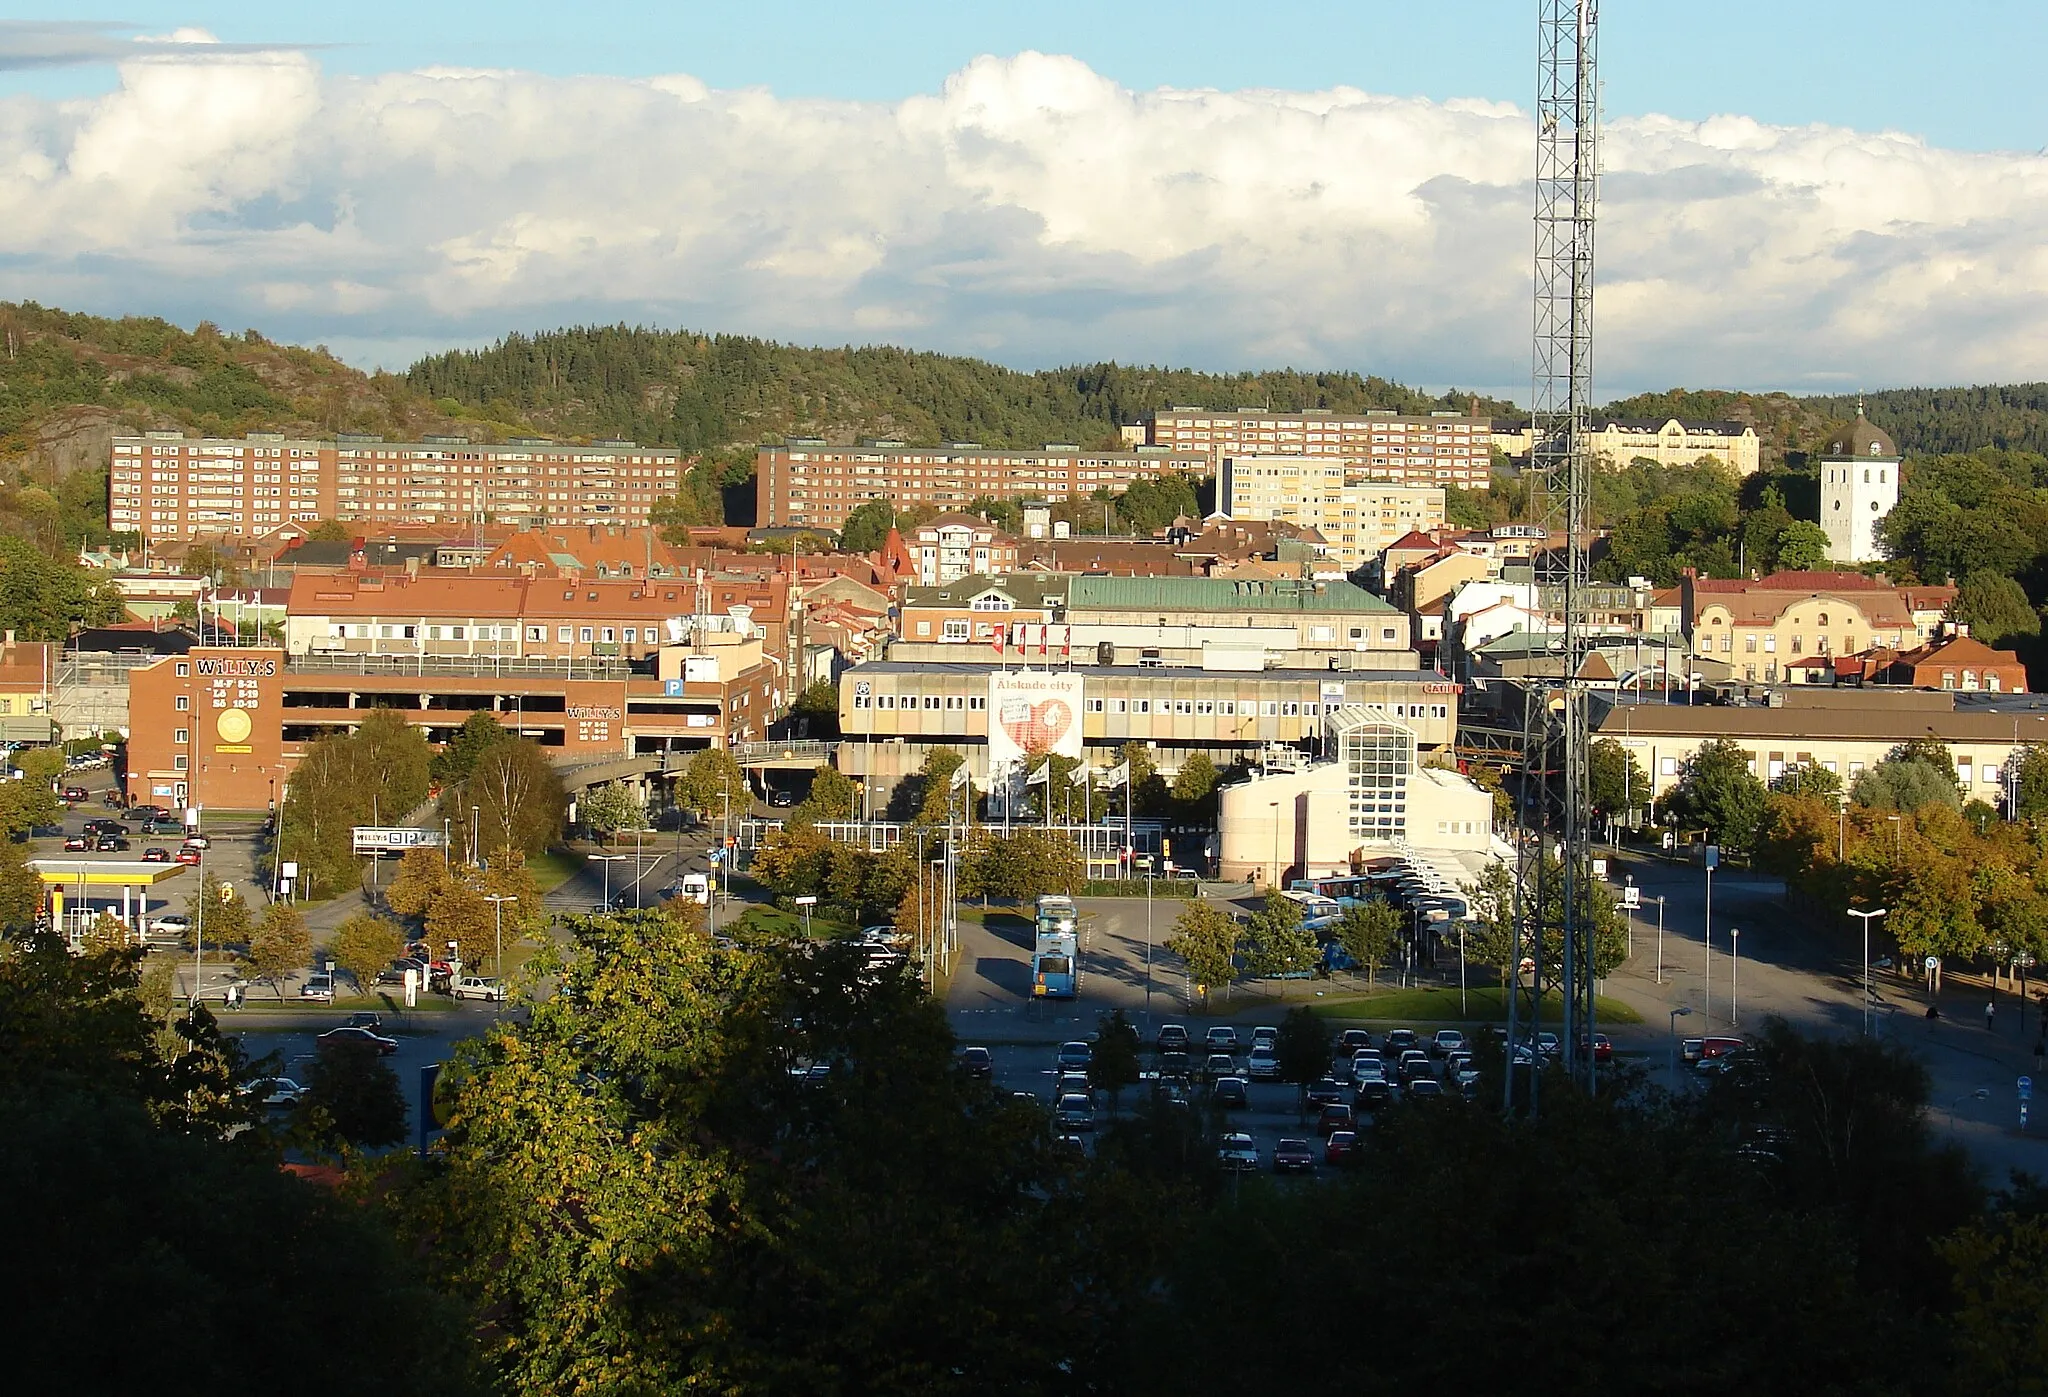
[{"x": 1197, "y": 708}]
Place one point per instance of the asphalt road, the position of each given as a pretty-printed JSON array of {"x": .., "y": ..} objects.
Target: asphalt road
[{"x": 423, "y": 1039}]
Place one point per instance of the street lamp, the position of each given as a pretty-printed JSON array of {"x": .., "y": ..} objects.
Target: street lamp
[
  {"x": 1660, "y": 938},
  {"x": 498, "y": 901},
  {"x": 1274, "y": 806},
  {"x": 608, "y": 860},
  {"x": 1676, "y": 1014},
  {"x": 1734, "y": 969},
  {"x": 1867, "y": 917}
]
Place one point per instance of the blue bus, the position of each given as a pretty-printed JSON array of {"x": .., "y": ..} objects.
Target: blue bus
[
  {"x": 1056, "y": 949},
  {"x": 1318, "y": 913},
  {"x": 1345, "y": 889}
]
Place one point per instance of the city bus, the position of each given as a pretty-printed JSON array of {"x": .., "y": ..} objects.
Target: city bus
[
  {"x": 1345, "y": 889},
  {"x": 1318, "y": 913},
  {"x": 1056, "y": 949}
]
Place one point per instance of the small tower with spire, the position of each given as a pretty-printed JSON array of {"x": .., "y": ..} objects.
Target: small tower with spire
[{"x": 1859, "y": 485}]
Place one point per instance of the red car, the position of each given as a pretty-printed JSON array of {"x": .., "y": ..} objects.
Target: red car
[
  {"x": 189, "y": 857},
  {"x": 1340, "y": 1147},
  {"x": 156, "y": 855},
  {"x": 1336, "y": 1116}
]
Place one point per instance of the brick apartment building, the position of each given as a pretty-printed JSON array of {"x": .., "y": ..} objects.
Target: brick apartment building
[
  {"x": 223, "y": 727},
  {"x": 1356, "y": 514},
  {"x": 167, "y": 486},
  {"x": 1444, "y": 448},
  {"x": 808, "y": 484}
]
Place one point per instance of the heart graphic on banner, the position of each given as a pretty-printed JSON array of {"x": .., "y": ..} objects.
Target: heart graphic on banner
[{"x": 1037, "y": 727}]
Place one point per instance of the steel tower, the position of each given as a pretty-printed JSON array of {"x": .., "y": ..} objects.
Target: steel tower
[{"x": 1554, "y": 870}]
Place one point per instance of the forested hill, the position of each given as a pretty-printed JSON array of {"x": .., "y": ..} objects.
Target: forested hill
[
  {"x": 1924, "y": 421},
  {"x": 697, "y": 391}
]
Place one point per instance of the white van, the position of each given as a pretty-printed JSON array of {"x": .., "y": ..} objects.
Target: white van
[{"x": 697, "y": 888}]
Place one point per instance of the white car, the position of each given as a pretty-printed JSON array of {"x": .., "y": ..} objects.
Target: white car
[
  {"x": 1367, "y": 1067},
  {"x": 1265, "y": 1064},
  {"x": 280, "y": 1092},
  {"x": 1237, "y": 1152},
  {"x": 320, "y": 987},
  {"x": 172, "y": 923},
  {"x": 477, "y": 987}
]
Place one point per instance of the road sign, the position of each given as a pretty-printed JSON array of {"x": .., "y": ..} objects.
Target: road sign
[
  {"x": 1931, "y": 964},
  {"x": 2026, "y": 1088},
  {"x": 807, "y": 901},
  {"x": 378, "y": 838},
  {"x": 1711, "y": 856},
  {"x": 1599, "y": 868},
  {"x": 1631, "y": 896}
]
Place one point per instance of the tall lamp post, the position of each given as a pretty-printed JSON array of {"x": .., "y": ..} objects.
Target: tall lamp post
[
  {"x": 608, "y": 860},
  {"x": 724, "y": 869},
  {"x": 1676, "y": 1014},
  {"x": 1660, "y": 938},
  {"x": 1713, "y": 857},
  {"x": 1274, "y": 881},
  {"x": 1867, "y": 919},
  {"x": 1734, "y": 969},
  {"x": 498, "y": 901}
]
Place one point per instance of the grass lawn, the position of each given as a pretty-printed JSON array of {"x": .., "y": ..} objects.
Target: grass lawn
[
  {"x": 554, "y": 868},
  {"x": 775, "y": 921},
  {"x": 1442, "y": 1006}
]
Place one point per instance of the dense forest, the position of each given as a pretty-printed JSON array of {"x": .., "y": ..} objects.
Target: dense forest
[
  {"x": 699, "y": 391},
  {"x": 2012, "y": 417}
]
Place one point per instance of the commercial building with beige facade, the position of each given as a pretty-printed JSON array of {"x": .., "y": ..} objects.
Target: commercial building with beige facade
[
  {"x": 1763, "y": 629},
  {"x": 1356, "y": 514},
  {"x": 1845, "y": 731}
]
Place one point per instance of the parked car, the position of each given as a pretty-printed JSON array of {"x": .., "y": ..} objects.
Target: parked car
[
  {"x": 1293, "y": 1157},
  {"x": 363, "y": 1018},
  {"x": 1074, "y": 1112},
  {"x": 80, "y": 843},
  {"x": 1069, "y": 1083},
  {"x": 320, "y": 987},
  {"x": 1325, "y": 1091},
  {"x": 478, "y": 987},
  {"x": 1076, "y": 1056},
  {"x": 1401, "y": 1040},
  {"x": 1367, "y": 1067},
  {"x": 1230, "y": 1094},
  {"x": 1603, "y": 1048},
  {"x": 1447, "y": 1041},
  {"x": 1425, "y": 1089},
  {"x": 1341, "y": 1147},
  {"x": 977, "y": 1062},
  {"x": 1354, "y": 1041},
  {"x": 1221, "y": 1039},
  {"x": 1270, "y": 1037},
  {"x": 1691, "y": 1048},
  {"x": 74, "y": 794},
  {"x": 198, "y": 841},
  {"x": 1373, "y": 1095},
  {"x": 1547, "y": 1043},
  {"x": 1264, "y": 1065},
  {"x": 1219, "y": 1065},
  {"x": 1173, "y": 1038},
  {"x": 1414, "y": 1065},
  {"x": 111, "y": 844},
  {"x": 1336, "y": 1116},
  {"x": 337, "y": 1037},
  {"x": 104, "y": 827},
  {"x": 188, "y": 856},
  {"x": 1174, "y": 1067},
  {"x": 278, "y": 1093},
  {"x": 156, "y": 854},
  {"x": 1713, "y": 1047},
  {"x": 1237, "y": 1151}
]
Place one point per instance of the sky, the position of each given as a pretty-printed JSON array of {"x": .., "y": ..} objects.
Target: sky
[{"x": 1812, "y": 196}]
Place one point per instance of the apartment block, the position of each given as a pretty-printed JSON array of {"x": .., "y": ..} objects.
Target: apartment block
[
  {"x": 168, "y": 486},
  {"x": 1444, "y": 448},
  {"x": 1357, "y": 515},
  {"x": 806, "y": 483}
]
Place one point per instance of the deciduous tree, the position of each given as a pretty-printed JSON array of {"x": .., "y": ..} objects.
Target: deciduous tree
[
  {"x": 1206, "y": 937},
  {"x": 1717, "y": 791},
  {"x": 1369, "y": 931},
  {"x": 279, "y": 947},
  {"x": 364, "y": 945}
]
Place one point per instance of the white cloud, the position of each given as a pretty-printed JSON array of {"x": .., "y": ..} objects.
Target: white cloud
[{"x": 1032, "y": 211}]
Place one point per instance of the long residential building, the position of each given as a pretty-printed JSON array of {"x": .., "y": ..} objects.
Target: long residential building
[
  {"x": 164, "y": 485},
  {"x": 1443, "y": 448},
  {"x": 223, "y": 727},
  {"x": 1357, "y": 514},
  {"x": 808, "y": 483}
]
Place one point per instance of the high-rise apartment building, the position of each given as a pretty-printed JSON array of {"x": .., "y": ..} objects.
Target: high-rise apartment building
[
  {"x": 806, "y": 483},
  {"x": 168, "y": 486},
  {"x": 1444, "y": 448},
  {"x": 1357, "y": 514}
]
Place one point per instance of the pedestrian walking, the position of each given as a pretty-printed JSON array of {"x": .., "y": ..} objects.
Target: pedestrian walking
[{"x": 1990, "y": 1013}]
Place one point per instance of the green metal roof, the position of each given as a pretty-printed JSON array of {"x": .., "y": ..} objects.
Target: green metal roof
[{"x": 1171, "y": 594}]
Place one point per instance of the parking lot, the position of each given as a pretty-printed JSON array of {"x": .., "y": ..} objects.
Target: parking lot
[{"x": 1273, "y": 1110}]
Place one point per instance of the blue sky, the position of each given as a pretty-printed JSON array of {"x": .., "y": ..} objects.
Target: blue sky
[
  {"x": 1964, "y": 74},
  {"x": 1810, "y": 195}
]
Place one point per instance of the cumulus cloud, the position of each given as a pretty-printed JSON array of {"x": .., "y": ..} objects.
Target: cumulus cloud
[{"x": 1032, "y": 211}]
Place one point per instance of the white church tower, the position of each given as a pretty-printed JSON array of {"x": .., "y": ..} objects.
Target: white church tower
[{"x": 1859, "y": 484}]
